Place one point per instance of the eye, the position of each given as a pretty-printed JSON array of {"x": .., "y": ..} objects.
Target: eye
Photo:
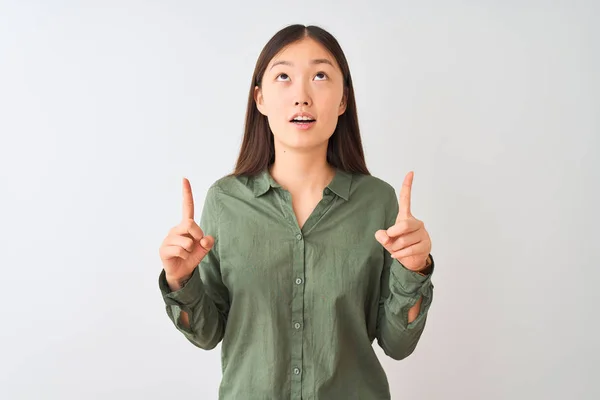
[
  {"x": 285, "y": 76},
  {"x": 323, "y": 74}
]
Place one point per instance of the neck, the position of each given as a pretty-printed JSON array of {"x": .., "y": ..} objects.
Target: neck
[{"x": 299, "y": 171}]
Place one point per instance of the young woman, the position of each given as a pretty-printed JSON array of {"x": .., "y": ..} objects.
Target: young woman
[{"x": 302, "y": 258}]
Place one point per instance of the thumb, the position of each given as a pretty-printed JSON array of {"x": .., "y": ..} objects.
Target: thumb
[
  {"x": 207, "y": 242},
  {"x": 382, "y": 237}
]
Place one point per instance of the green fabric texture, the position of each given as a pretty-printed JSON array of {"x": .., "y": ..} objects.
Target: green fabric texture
[{"x": 297, "y": 310}]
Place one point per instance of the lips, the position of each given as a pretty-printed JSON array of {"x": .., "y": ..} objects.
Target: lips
[
  {"x": 303, "y": 117},
  {"x": 303, "y": 120},
  {"x": 303, "y": 125}
]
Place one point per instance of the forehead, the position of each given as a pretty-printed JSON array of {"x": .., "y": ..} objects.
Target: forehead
[{"x": 303, "y": 52}]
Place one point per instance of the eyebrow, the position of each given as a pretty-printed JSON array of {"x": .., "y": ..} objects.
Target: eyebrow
[{"x": 315, "y": 61}]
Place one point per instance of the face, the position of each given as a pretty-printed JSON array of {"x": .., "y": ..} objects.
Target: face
[{"x": 303, "y": 77}]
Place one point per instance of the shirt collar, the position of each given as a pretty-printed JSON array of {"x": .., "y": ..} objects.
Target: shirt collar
[{"x": 263, "y": 181}]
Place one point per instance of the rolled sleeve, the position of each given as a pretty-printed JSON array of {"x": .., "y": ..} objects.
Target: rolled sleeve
[
  {"x": 409, "y": 286},
  {"x": 187, "y": 296}
]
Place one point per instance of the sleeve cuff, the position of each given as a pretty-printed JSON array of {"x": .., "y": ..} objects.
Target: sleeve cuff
[
  {"x": 185, "y": 297},
  {"x": 412, "y": 281}
]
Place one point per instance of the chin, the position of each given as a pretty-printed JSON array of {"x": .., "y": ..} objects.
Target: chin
[
  {"x": 304, "y": 144},
  {"x": 294, "y": 138}
]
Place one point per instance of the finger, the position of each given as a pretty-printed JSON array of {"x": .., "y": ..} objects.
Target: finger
[
  {"x": 383, "y": 239},
  {"x": 405, "y": 241},
  {"x": 404, "y": 198},
  {"x": 203, "y": 248},
  {"x": 207, "y": 242},
  {"x": 188, "y": 200},
  {"x": 190, "y": 228},
  {"x": 181, "y": 241},
  {"x": 414, "y": 250},
  {"x": 169, "y": 252},
  {"x": 405, "y": 226}
]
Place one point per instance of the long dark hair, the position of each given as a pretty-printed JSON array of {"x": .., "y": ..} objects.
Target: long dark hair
[{"x": 344, "y": 150}]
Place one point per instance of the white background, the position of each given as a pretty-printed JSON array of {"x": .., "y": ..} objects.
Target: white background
[{"x": 106, "y": 105}]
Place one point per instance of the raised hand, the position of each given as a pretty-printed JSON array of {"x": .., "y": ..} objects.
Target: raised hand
[
  {"x": 407, "y": 240},
  {"x": 185, "y": 245}
]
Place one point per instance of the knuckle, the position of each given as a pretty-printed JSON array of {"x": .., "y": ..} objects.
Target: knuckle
[
  {"x": 188, "y": 243},
  {"x": 404, "y": 226},
  {"x": 401, "y": 243}
]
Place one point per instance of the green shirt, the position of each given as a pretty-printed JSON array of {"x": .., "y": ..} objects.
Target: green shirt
[{"x": 297, "y": 310}]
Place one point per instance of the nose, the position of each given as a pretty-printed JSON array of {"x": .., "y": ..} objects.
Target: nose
[{"x": 302, "y": 95}]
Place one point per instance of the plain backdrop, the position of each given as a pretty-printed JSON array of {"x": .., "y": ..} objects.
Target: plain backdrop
[{"x": 106, "y": 105}]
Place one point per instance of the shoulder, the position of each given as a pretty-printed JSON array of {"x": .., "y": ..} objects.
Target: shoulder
[
  {"x": 228, "y": 185},
  {"x": 373, "y": 198},
  {"x": 373, "y": 186},
  {"x": 219, "y": 192}
]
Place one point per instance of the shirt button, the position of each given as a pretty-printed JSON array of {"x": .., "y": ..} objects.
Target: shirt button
[
  {"x": 297, "y": 325},
  {"x": 298, "y": 281},
  {"x": 299, "y": 236},
  {"x": 326, "y": 191},
  {"x": 297, "y": 371}
]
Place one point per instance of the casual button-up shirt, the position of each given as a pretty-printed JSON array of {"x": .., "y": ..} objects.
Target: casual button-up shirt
[{"x": 297, "y": 309}]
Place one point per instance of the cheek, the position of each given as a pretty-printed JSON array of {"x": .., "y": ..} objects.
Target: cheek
[
  {"x": 275, "y": 103},
  {"x": 276, "y": 111},
  {"x": 329, "y": 108}
]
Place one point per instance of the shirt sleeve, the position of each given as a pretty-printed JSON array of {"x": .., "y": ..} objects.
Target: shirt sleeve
[
  {"x": 401, "y": 288},
  {"x": 204, "y": 297}
]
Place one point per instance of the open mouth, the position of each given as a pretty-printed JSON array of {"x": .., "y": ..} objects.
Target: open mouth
[{"x": 301, "y": 121}]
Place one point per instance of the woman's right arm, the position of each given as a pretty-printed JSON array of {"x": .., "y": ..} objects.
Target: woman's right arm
[{"x": 196, "y": 300}]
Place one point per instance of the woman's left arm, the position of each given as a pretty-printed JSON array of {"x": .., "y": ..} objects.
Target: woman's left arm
[{"x": 406, "y": 287}]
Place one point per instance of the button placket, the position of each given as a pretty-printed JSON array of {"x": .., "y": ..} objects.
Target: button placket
[{"x": 297, "y": 310}]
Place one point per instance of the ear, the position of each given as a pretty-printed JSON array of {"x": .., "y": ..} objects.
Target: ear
[
  {"x": 258, "y": 99},
  {"x": 343, "y": 103}
]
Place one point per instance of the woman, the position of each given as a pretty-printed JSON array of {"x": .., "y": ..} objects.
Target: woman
[{"x": 302, "y": 258}]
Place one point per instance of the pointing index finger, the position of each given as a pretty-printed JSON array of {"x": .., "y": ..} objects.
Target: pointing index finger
[
  {"x": 404, "y": 198},
  {"x": 188, "y": 200}
]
